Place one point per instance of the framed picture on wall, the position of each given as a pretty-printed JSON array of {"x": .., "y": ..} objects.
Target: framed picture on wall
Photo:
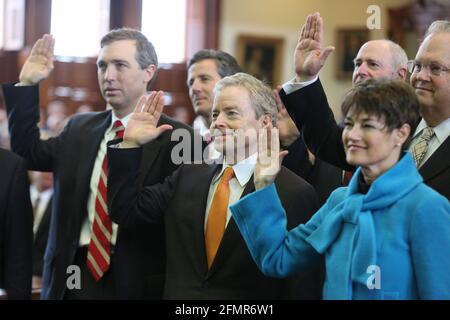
[
  {"x": 261, "y": 57},
  {"x": 347, "y": 46}
]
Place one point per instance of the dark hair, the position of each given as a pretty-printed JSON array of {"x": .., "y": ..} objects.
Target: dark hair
[
  {"x": 145, "y": 52},
  {"x": 226, "y": 63},
  {"x": 393, "y": 101}
]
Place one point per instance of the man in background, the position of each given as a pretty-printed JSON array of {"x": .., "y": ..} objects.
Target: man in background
[{"x": 16, "y": 227}]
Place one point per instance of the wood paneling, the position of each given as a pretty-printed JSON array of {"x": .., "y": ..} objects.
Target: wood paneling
[
  {"x": 125, "y": 13},
  {"x": 416, "y": 17},
  {"x": 9, "y": 66},
  {"x": 37, "y": 20},
  {"x": 74, "y": 83},
  {"x": 171, "y": 79},
  {"x": 202, "y": 25}
]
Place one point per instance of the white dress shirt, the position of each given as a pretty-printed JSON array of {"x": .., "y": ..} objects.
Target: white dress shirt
[
  {"x": 86, "y": 229},
  {"x": 243, "y": 171},
  {"x": 44, "y": 198},
  {"x": 293, "y": 85}
]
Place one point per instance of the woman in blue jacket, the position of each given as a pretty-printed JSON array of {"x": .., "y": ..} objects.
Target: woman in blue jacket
[{"x": 386, "y": 235}]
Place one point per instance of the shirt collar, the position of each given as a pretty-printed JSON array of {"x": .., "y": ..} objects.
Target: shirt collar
[
  {"x": 34, "y": 193},
  {"x": 124, "y": 120},
  {"x": 242, "y": 170},
  {"x": 442, "y": 130}
]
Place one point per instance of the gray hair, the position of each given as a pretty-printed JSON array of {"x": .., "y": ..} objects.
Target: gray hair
[
  {"x": 145, "y": 51},
  {"x": 260, "y": 94},
  {"x": 438, "y": 26},
  {"x": 399, "y": 57},
  {"x": 226, "y": 63}
]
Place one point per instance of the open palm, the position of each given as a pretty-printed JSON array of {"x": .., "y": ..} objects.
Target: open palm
[
  {"x": 40, "y": 62},
  {"x": 143, "y": 124},
  {"x": 269, "y": 158},
  {"x": 309, "y": 56}
]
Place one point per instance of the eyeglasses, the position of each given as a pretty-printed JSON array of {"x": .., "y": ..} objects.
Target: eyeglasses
[{"x": 434, "y": 68}]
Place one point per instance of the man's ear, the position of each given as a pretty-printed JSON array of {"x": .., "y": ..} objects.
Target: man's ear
[
  {"x": 402, "y": 72},
  {"x": 150, "y": 72}
]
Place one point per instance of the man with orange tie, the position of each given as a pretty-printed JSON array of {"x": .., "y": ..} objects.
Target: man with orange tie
[{"x": 206, "y": 255}]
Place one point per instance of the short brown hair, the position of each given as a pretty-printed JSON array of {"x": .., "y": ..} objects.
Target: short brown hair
[
  {"x": 145, "y": 51},
  {"x": 394, "y": 101},
  {"x": 225, "y": 62}
]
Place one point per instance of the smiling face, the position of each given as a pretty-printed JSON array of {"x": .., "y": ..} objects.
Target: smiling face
[
  {"x": 433, "y": 91},
  {"x": 368, "y": 143},
  {"x": 122, "y": 81},
  {"x": 373, "y": 61},
  {"x": 202, "y": 77},
  {"x": 234, "y": 125}
]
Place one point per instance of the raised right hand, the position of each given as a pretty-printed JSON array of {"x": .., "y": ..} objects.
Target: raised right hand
[
  {"x": 142, "y": 125},
  {"x": 309, "y": 57},
  {"x": 40, "y": 62},
  {"x": 269, "y": 157}
]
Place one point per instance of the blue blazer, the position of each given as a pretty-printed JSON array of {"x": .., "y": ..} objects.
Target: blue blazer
[{"x": 391, "y": 243}]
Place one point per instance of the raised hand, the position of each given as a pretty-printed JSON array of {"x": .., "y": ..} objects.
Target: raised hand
[
  {"x": 39, "y": 64},
  {"x": 142, "y": 126},
  {"x": 309, "y": 56},
  {"x": 288, "y": 131},
  {"x": 269, "y": 157}
]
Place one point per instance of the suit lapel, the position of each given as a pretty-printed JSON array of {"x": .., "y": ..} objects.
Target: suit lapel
[
  {"x": 191, "y": 225},
  {"x": 231, "y": 237},
  {"x": 438, "y": 162},
  {"x": 45, "y": 221}
]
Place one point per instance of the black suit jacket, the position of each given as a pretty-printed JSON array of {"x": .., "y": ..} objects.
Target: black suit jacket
[
  {"x": 16, "y": 227},
  {"x": 40, "y": 241},
  {"x": 139, "y": 256},
  {"x": 309, "y": 109},
  {"x": 181, "y": 202}
]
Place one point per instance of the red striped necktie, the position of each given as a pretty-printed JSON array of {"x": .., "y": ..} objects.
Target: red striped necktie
[{"x": 99, "y": 250}]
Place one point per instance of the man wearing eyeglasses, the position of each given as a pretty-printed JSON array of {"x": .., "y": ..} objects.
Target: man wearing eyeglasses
[
  {"x": 430, "y": 76},
  {"x": 307, "y": 104}
]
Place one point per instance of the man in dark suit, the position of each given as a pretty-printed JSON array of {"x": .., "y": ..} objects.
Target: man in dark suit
[
  {"x": 16, "y": 227},
  {"x": 41, "y": 192},
  {"x": 377, "y": 59},
  {"x": 83, "y": 244},
  {"x": 205, "y": 262}
]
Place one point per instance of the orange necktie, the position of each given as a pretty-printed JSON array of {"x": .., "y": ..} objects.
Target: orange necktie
[{"x": 215, "y": 226}]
